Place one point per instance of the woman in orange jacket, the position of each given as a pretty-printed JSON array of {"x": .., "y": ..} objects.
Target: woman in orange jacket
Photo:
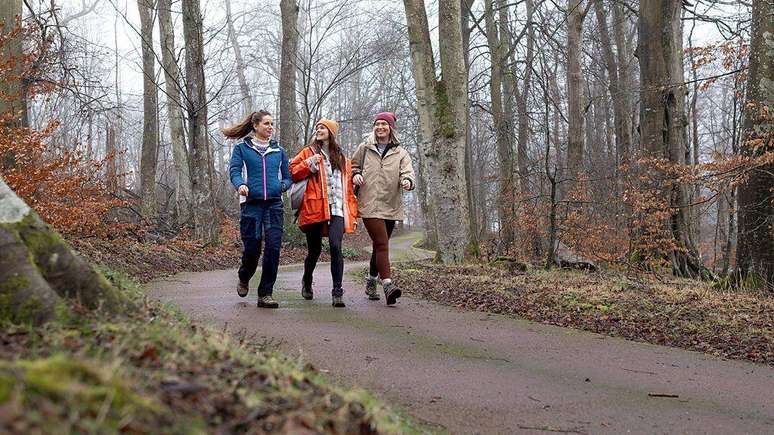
[{"x": 329, "y": 206}]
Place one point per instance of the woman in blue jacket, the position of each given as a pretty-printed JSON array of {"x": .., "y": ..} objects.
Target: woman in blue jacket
[{"x": 259, "y": 173}]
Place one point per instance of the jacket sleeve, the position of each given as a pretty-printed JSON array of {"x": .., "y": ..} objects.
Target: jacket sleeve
[
  {"x": 357, "y": 158},
  {"x": 298, "y": 167},
  {"x": 286, "y": 180},
  {"x": 407, "y": 170},
  {"x": 351, "y": 198},
  {"x": 235, "y": 167}
]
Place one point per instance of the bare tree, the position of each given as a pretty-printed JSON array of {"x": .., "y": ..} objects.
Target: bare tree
[
  {"x": 755, "y": 251},
  {"x": 287, "y": 83},
  {"x": 622, "y": 118},
  {"x": 150, "y": 131},
  {"x": 241, "y": 67},
  {"x": 206, "y": 222},
  {"x": 12, "y": 99},
  {"x": 576, "y": 14},
  {"x": 174, "y": 112},
  {"x": 442, "y": 113},
  {"x": 663, "y": 119},
  {"x": 503, "y": 130}
]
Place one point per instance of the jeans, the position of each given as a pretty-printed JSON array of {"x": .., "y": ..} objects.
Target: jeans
[{"x": 261, "y": 221}]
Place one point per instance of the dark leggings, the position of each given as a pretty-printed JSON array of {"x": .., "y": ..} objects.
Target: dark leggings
[
  {"x": 314, "y": 236},
  {"x": 380, "y": 231}
]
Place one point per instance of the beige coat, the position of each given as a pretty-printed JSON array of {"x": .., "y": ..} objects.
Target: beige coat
[{"x": 380, "y": 195}]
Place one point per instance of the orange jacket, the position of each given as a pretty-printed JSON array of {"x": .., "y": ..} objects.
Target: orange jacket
[{"x": 315, "y": 207}]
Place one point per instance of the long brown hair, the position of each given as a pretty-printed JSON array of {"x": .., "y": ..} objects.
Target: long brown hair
[
  {"x": 338, "y": 161},
  {"x": 244, "y": 128}
]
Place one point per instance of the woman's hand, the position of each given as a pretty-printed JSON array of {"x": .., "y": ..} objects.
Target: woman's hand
[
  {"x": 406, "y": 184},
  {"x": 358, "y": 180},
  {"x": 314, "y": 162},
  {"x": 243, "y": 190}
]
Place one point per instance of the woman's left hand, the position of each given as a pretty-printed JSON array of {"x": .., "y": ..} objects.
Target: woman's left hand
[{"x": 406, "y": 184}]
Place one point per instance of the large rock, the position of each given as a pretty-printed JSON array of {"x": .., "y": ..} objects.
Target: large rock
[{"x": 566, "y": 258}]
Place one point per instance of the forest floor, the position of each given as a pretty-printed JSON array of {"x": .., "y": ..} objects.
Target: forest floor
[
  {"x": 456, "y": 368},
  {"x": 660, "y": 310}
]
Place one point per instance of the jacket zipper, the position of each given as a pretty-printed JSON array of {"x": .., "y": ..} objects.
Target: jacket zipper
[{"x": 265, "y": 194}]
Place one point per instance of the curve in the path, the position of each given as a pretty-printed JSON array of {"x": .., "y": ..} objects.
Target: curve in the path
[{"x": 470, "y": 372}]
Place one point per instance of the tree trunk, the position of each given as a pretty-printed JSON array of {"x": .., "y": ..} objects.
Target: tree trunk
[
  {"x": 287, "y": 92},
  {"x": 621, "y": 116},
  {"x": 522, "y": 98},
  {"x": 662, "y": 117},
  {"x": 575, "y": 137},
  {"x": 13, "y": 100},
  {"x": 111, "y": 154},
  {"x": 241, "y": 67},
  {"x": 466, "y": 6},
  {"x": 624, "y": 82},
  {"x": 38, "y": 269},
  {"x": 174, "y": 112},
  {"x": 442, "y": 110},
  {"x": 755, "y": 250},
  {"x": 502, "y": 128},
  {"x": 206, "y": 221},
  {"x": 150, "y": 122}
]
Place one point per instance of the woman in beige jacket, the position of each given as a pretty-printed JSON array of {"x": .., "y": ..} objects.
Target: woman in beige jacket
[{"x": 381, "y": 167}]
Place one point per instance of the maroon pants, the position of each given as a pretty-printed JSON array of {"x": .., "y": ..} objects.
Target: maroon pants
[{"x": 380, "y": 231}]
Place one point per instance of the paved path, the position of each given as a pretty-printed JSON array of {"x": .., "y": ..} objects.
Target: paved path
[{"x": 469, "y": 372}]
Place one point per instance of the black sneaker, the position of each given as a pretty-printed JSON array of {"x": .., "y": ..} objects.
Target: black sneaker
[
  {"x": 338, "y": 302},
  {"x": 391, "y": 292},
  {"x": 306, "y": 292},
  {"x": 371, "y": 289},
  {"x": 267, "y": 302},
  {"x": 242, "y": 288}
]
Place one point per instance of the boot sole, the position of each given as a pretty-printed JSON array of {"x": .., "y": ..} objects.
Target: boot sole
[
  {"x": 393, "y": 297},
  {"x": 308, "y": 297},
  {"x": 373, "y": 298},
  {"x": 340, "y": 305},
  {"x": 260, "y": 305},
  {"x": 242, "y": 295}
]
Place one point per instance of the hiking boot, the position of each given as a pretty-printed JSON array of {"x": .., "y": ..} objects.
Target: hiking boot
[
  {"x": 267, "y": 302},
  {"x": 391, "y": 292},
  {"x": 242, "y": 288},
  {"x": 338, "y": 302},
  {"x": 306, "y": 291},
  {"x": 371, "y": 289}
]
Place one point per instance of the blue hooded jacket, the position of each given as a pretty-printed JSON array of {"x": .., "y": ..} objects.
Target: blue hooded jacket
[{"x": 265, "y": 175}]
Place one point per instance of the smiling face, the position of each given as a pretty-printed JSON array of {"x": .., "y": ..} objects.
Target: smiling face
[
  {"x": 321, "y": 133},
  {"x": 264, "y": 128},
  {"x": 382, "y": 131}
]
